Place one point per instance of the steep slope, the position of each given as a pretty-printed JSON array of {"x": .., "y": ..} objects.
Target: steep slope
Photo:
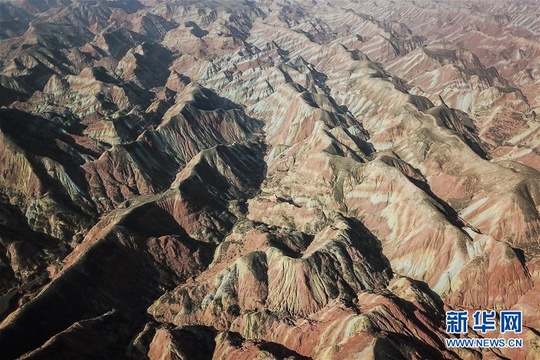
[{"x": 264, "y": 179}]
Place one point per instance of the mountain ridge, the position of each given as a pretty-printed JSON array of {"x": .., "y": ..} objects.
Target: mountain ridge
[{"x": 297, "y": 180}]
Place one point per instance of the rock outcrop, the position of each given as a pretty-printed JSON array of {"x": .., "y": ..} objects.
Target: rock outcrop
[{"x": 266, "y": 180}]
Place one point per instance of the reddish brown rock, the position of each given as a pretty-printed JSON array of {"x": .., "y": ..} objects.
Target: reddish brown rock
[{"x": 248, "y": 180}]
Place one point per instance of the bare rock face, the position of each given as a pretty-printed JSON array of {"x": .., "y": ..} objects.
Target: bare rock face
[{"x": 266, "y": 180}]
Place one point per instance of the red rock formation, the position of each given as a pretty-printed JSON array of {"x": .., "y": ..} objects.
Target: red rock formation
[{"x": 269, "y": 180}]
